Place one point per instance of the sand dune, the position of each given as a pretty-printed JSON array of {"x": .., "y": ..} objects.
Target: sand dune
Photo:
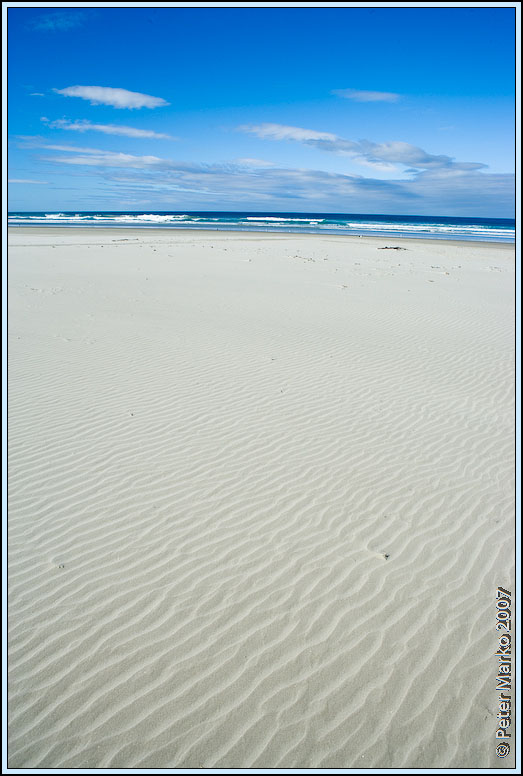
[{"x": 261, "y": 497}]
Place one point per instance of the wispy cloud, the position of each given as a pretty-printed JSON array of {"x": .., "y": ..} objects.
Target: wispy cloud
[
  {"x": 95, "y": 157},
  {"x": 59, "y": 21},
  {"x": 117, "y": 98},
  {"x": 362, "y": 96},
  {"x": 254, "y": 163},
  {"x": 444, "y": 189},
  {"x": 82, "y": 125},
  {"x": 378, "y": 155},
  {"x": 25, "y": 180},
  {"x": 284, "y": 132},
  {"x": 36, "y": 94}
]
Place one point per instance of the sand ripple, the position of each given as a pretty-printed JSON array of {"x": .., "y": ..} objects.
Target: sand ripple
[{"x": 257, "y": 519}]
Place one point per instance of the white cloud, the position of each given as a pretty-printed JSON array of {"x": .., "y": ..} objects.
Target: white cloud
[
  {"x": 36, "y": 94},
  {"x": 255, "y": 163},
  {"x": 362, "y": 96},
  {"x": 464, "y": 193},
  {"x": 61, "y": 20},
  {"x": 282, "y": 132},
  {"x": 108, "y": 160},
  {"x": 379, "y": 166},
  {"x": 24, "y": 180},
  {"x": 323, "y": 140},
  {"x": 73, "y": 149},
  {"x": 445, "y": 189},
  {"x": 95, "y": 157},
  {"x": 378, "y": 155},
  {"x": 107, "y": 95},
  {"x": 82, "y": 125}
]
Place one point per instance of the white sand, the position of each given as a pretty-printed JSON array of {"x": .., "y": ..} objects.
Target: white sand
[{"x": 261, "y": 497}]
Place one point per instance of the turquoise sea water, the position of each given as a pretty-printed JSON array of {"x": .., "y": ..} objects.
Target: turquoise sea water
[{"x": 434, "y": 227}]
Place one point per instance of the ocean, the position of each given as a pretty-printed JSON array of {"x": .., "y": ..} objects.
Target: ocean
[{"x": 433, "y": 227}]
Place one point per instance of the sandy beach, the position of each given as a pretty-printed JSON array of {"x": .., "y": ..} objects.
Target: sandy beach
[{"x": 261, "y": 495}]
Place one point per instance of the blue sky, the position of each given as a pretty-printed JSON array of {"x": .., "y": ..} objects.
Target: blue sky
[{"x": 363, "y": 110}]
